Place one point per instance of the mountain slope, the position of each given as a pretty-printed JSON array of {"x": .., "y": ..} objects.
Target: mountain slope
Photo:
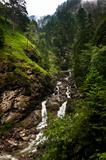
[{"x": 22, "y": 80}]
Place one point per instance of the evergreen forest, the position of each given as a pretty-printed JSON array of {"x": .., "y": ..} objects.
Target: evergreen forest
[{"x": 37, "y": 54}]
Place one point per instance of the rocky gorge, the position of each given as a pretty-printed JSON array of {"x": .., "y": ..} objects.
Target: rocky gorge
[{"x": 25, "y": 123}]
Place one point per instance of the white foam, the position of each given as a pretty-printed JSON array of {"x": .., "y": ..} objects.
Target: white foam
[
  {"x": 68, "y": 93},
  {"x": 62, "y": 110},
  {"x": 43, "y": 123},
  {"x": 40, "y": 138},
  {"x": 59, "y": 83}
]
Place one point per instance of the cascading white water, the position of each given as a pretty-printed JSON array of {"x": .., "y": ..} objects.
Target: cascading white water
[
  {"x": 59, "y": 83},
  {"x": 43, "y": 124},
  {"x": 62, "y": 110},
  {"x": 68, "y": 93},
  {"x": 57, "y": 93},
  {"x": 39, "y": 137}
]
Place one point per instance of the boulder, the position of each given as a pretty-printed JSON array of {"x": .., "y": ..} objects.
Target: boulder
[
  {"x": 21, "y": 103},
  {"x": 11, "y": 117}
]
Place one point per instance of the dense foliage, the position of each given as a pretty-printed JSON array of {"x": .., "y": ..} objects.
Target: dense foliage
[
  {"x": 70, "y": 28},
  {"x": 74, "y": 37},
  {"x": 14, "y": 10},
  {"x": 82, "y": 135},
  {"x": 14, "y": 18},
  {"x": 78, "y": 36}
]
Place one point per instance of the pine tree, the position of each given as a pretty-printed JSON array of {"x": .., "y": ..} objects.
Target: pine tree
[
  {"x": 18, "y": 10},
  {"x": 82, "y": 23}
]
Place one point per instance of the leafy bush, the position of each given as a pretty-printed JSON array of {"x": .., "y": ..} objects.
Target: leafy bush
[
  {"x": 98, "y": 61},
  {"x": 83, "y": 134},
  {"x": 100, "y": 36}
]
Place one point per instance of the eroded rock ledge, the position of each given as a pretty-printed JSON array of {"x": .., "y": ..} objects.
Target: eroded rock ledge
[{"x": 20, "y": 99}]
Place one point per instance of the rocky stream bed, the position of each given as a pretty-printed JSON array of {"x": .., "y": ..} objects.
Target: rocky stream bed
[{"x": 20, "y": 143}]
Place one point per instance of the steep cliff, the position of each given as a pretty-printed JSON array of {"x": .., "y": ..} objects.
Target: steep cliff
[{"x": 22, "y": 81}]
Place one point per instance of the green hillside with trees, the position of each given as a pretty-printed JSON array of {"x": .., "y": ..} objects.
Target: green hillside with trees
[
  {"x": 77, "y": 35},
  {"x": 74, "y": 38}
]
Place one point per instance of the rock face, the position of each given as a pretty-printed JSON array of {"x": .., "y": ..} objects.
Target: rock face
[
  {"x": 61, "y": 94},
  {"x": 12, "y": 106},
  {"x": 20, "y": 107},
  {"x": 20, "y": 104},
  {"x": 19, "y": 94}
]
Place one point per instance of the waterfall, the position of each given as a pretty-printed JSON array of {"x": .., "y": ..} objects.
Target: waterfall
[
  {"x": 62, "y": 90},
  {"x": 68, "y": 93},
  {"x": 39, "y": 137},
  {"x": 59, "y": 83},
  {"x": 43, "y": 124},
  {"x": 61, "y": 112}
]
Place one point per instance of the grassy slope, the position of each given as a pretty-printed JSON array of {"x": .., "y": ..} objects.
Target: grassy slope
[{"x": 15, "y": 45}]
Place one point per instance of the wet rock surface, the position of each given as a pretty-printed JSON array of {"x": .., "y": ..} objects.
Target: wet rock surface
[
  {"x": 65, "y": 89},
  {"x": 14, "y": 106},
  {"x": 20, "y": 106}
]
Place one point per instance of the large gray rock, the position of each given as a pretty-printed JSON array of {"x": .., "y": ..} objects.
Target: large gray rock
[{"x": 13, "y": 99}]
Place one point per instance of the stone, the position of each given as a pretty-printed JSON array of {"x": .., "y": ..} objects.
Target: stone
[
  {"x": 12, "y": 116},
  {"x": 12, "y": 142},
  {"x": 21, "y": 102},
  {"x": 32, "y": 120},
  {"x": 7, "y": 100}
]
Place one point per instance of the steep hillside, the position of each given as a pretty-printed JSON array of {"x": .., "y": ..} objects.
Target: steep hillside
[
  {"x": 39, "y": 118},
  {"x": 77, "y": 34},
  {"x": 22, "y": 80}
]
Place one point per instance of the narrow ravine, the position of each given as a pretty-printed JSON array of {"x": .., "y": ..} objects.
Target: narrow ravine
[{"x": 56, "y": 104}]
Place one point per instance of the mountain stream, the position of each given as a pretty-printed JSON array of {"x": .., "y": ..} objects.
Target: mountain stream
[{"x": 59, "y": 98}]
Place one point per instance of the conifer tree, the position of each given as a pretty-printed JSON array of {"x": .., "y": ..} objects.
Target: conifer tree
[{"x": 18, "y": 9}]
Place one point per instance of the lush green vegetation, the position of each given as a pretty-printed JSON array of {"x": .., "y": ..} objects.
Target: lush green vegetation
[
  {"x": 74, "y": 37},
  {"x": 80, "y": 42},
  {"x": 82, "y": 135},
  {"x": 21, "y": 40},
  {"x": 15, "y": 46}
]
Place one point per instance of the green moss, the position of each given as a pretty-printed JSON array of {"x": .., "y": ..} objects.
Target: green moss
[{"x": 15, "y": 45}]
